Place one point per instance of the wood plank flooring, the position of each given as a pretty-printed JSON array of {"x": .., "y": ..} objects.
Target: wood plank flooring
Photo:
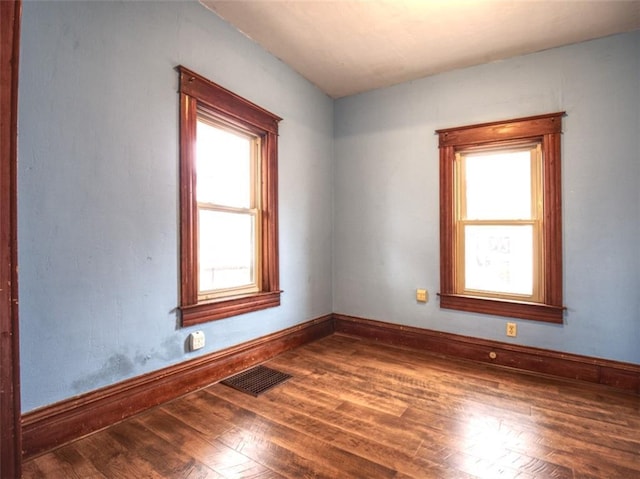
[{"x": 358, "y": 409}]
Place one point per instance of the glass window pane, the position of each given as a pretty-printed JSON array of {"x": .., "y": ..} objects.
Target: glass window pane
[
  {"x": 499, "y": 258},
  {"x": 223, "y": 167},
  {"x": 226, "y": 250},
  {"x": 498, "y": 185}
]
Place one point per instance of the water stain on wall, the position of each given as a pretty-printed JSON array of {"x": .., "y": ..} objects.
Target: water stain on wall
[
  {"x": 172, "y": 348},
  {"x": 114, "y": 369}
]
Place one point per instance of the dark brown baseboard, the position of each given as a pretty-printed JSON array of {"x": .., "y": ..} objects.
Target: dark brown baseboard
[
  {"x": 625, "y": 376},
  {"x": 51, "y": 426}
]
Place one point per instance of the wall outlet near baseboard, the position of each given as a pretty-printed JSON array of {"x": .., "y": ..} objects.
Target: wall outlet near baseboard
[
  {"x": 512, "y": 329},
  {"x": 196, "y": 340}
]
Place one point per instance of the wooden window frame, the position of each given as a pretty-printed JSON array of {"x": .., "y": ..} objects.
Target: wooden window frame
[
  {"x": 547, "y": 129},
  {"x": 196, "y": 92}
]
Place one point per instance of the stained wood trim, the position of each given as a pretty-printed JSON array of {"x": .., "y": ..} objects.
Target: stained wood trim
[
  {"x": 519, "y": 128},
  {"x": 198, "y": 92},
  {"x": 224, "y": 101},
  {"x": 447, "y": 222},
  {"x": 544, "y": 128},
  {"x": 620, "y": 375},
  {"x": 501, "y": 307},
  {"x": 188, "y": 209},
  {"x": 270, "y": 225},
  {"x": 10, "y": 432},
  {"x": 51, "y": 426},
  {"x": 201, "y": 312},
  {"x": 553, "y": 217}
]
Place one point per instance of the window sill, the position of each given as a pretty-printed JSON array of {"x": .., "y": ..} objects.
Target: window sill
[
  {"x": 220, "y": 308},
  {"x": 512, "y": 309}
]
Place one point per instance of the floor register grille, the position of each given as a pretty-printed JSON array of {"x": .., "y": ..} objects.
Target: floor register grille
[{"x": 256, "y": 380}]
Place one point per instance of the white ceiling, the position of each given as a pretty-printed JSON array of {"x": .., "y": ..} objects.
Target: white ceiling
[{"x": 350, "y": 46}]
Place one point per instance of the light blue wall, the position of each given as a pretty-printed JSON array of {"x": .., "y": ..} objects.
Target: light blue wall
[
  {"x": 386, "y": 231},
  {"x": 97, "y": 189}
]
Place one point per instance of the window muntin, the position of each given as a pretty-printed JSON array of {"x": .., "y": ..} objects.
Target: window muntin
[
  {"x": 541, "y": 300},
  {"x": 228, "y": 203}
]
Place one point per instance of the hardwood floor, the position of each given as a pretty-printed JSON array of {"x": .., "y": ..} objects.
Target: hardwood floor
[{"x": 359, "y": 409}]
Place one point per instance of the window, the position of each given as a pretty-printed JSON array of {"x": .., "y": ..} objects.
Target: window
[
  {"x": 228, "y": 203},
  {"x": 500, "y": 218}
]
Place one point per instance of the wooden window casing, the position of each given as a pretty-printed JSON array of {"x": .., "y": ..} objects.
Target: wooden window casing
[
  {"x": 543, "y": 129},
  {"x": 198, "y": 94}
]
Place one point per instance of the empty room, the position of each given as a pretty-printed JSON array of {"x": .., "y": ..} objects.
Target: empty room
[{"x": 320, "y": 239}]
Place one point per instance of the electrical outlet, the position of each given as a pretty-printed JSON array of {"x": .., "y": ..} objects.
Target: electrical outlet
[
  {"x": 422, "y": 295},
  {"x": 196, "y": 340},
  {"x": 512, "y": 329}
]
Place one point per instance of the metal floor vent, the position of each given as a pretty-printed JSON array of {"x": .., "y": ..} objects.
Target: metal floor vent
[{"x": 256, "y": 380}]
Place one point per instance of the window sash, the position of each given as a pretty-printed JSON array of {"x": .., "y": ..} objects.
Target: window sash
[
  {"x": 253, "y": 284},
  {"x": 253, "y": 211},
  {"x": 490, "y": 154},
  {"x": 254, "y": 142},
  {"x": 534, "y": 260},
  {"x": 536, "y": 215}
]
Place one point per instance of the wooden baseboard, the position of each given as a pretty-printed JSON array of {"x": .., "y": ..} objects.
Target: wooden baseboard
[
  {"x": 51, "y": 426},
  {"x": 625, "y": 376}
]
